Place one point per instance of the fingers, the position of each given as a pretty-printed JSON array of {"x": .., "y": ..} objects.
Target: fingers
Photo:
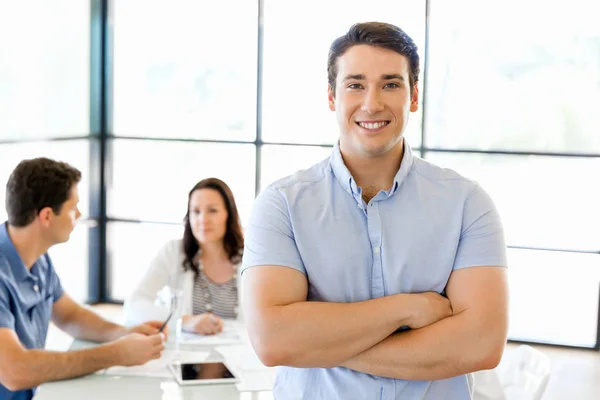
[
  {"x": 157, "y": 339},
  {"x": 146, "y": 329},
  {"x": 165, "y": 332},
  {"x": 155, "y": 324},
  {"x": 207, "y": 329},
  {"x": 208, "y": 324},
  {"x": 217, "y": 323}
]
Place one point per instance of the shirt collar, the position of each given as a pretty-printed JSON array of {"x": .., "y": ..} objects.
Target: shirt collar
[
  {"x": 344, "y": 177},
  {"x": 15, "y": 262}
]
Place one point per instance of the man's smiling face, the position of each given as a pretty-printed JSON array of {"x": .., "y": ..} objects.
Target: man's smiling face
[{"x": 372, "y": 99}]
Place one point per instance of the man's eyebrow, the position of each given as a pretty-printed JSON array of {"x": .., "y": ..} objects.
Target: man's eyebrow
[
  {"x": 387, "y": 77},
  {"x": 355, "y": 76}
]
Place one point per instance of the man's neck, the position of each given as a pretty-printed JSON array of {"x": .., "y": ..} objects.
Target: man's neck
[
  {"x": 29, "y": 244},
  {"x": 373, "y": 174}
]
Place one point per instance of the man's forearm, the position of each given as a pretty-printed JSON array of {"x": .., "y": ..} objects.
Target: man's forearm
[
  {"x": 87, "y": 325},
  {"x": 39, "y": 366},
  {"x": 450, "y": 347},
  {"x": 317, "y": 334}
]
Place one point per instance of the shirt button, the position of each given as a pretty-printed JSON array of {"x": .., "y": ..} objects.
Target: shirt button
[
  {"x": 36, "y": 288},
  {"x": 376, "y": 250}
]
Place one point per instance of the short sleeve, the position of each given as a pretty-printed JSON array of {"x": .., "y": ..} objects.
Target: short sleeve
[
  {"x": 482, "y": 236},
  {"x": 269, "y": 234},
  {"x": 55, "y": 287},
  {"x": 7, "y": 319}
]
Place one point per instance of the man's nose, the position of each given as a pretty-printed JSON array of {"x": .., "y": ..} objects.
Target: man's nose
[{"x": 372, "y": 103}]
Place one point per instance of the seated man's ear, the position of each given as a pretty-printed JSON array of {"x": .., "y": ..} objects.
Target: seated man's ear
[{"x": 45, "y": 215}]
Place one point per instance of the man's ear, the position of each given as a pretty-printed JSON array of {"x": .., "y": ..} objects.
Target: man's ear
[
  {"x": 414, "y": 99},
  {"x": 45, "y": 215},
  {"x": 331, "y": 98}
]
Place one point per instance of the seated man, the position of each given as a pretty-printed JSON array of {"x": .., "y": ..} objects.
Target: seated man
[{"x": 41, "y": 202}]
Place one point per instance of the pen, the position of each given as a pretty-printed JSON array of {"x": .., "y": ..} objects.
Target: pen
[{"x": 170, "y": 315}]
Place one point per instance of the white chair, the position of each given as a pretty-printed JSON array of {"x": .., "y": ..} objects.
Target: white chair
[{"x": 524, "y": 373}]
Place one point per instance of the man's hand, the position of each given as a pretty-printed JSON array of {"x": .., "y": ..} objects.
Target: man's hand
[
  {"x": 150, "y": 328},
  {"x": 204, "y": 324},
  {"x": 430, "y": 307},
  {"x": 138, "y": 349}
]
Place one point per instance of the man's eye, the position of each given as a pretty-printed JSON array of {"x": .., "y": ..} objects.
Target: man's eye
[
  {"x": 354, "y": 86},
  {"x": 391, "y": 85}
]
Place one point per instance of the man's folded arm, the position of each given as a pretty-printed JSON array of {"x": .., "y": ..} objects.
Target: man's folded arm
[
  {"x": 286, "y": 329},
  {"x": 472, "y": 339}
]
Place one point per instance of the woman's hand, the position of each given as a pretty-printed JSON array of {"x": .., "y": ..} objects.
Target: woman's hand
[{"x": 204, "y": 324}]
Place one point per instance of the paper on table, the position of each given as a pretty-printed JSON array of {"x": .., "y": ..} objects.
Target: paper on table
[
  {"x": 229, "y": 335},
  {"x": 157, "y": 368},
  {"x": 241, "y": 356},
  {"x": 257, "y": 381}
]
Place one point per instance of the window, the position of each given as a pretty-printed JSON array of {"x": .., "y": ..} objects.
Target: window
[
  {"x": 546, "y": 287},
  {"x": 280, "y": 161},
  {"x": 543, "y": 201},
  {"x": 44, "y": 69},
  {"x": 513, "y": 78},
  {"x": 187, "y": 69},
  {"x": 517, "y": 82},
  {"x": 132, "y": 247},
  {"x": 45, "y": 95},
  {"x": 155, "y": 186}
]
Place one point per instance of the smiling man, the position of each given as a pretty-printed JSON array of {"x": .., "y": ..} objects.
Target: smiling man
[
  {"x": 375, "y": 274},
  {"x": 42, "y": 207}
]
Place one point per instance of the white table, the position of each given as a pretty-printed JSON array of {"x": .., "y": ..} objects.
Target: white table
[{"x": 111, "y": 387}]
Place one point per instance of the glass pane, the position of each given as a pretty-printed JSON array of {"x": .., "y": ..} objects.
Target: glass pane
[
  {"x": 76, "y": 153},
  {"x": 155, "y": 186},
  {"x": 540, "y": 199},
  {"x": 534, "y": 86},
  {"x": 187, "y": 69},
  {"x": 296, "y": 58},
  {"x": 280, "y": 161},
  {"x": 131, "y": 247},
  {"x": 44, "y": 68},
  {"x": 71, "y": 262},
  {"x": 554, "y": 297}
]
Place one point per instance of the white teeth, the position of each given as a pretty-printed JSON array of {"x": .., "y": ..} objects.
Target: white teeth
[{"x": 372, "y": 125}]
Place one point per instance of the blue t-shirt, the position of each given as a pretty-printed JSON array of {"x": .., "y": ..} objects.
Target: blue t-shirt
[
  {"x": 26, "y": 300},
  {"x": 407, "y": 239}
]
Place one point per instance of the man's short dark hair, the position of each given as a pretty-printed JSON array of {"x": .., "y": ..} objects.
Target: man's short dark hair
[
  {"x": 378, "y": 34},
  {"x": 35, "y": 184}
]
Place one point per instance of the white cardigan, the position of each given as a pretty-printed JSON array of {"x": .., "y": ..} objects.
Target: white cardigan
[{"x": 165, "y": 269}]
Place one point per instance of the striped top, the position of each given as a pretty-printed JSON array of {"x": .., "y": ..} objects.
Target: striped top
[{"x": 219, "y": 298}]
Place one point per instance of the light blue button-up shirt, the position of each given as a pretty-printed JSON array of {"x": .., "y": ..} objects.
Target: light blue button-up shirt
[
  {"x": 407, "y": 239},
  {"x": 26, "y": 300}
]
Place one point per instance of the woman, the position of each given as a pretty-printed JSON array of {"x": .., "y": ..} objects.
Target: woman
[{"x": 203, "y": 265}]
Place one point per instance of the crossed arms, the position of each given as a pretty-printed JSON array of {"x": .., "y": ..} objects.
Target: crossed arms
[{"x": 450, "y": 337}]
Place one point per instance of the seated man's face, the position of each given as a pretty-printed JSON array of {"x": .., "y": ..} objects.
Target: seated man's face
[
  {"x": 372, "y": 99},
  {"x": 63, "y": 223}
]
